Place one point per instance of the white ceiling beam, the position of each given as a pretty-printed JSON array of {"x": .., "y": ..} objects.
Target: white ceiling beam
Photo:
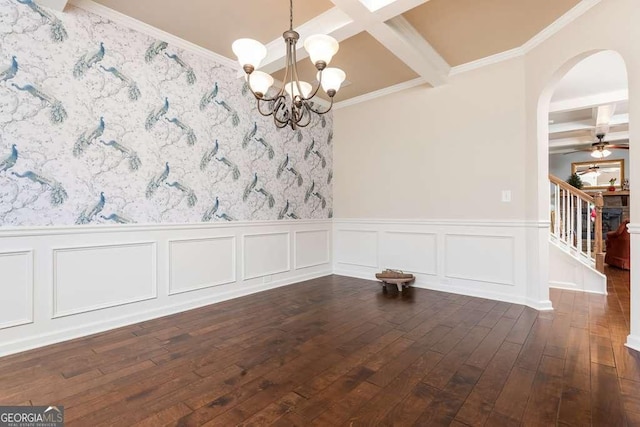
[
  {"x": 603, "y": 117},
  {"x": 414, "y": 40},
  {"x": 396, "y": 8},
  {"x": 399, "y": 37},
  {"x": 58, "y": 5},
  {"x": 573, "y": 126},
  {"x": 577, "y": 125},
  {"x": 589, "y": 101},
  {"x": 385, "y": 24}
]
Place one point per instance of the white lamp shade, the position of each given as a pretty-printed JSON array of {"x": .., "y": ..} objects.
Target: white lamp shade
[
  {"x": 292, "y": 89},
  {"x": 600, "y": 154},
  {"x": 260, "y": 82},
  {"x": 321, "y": 47},
  {"x": 249, "y": 52},
  {"x": 332, "y": 78}
]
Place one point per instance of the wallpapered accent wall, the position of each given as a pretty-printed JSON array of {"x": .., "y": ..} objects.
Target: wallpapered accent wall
[{"x": 102, "y": 124}]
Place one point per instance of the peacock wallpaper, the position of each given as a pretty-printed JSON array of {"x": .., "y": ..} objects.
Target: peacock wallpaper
[{"x": 102, "y": 124}]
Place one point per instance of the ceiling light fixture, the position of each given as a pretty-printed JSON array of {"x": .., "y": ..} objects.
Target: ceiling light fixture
[
  {"x": 292, "y": 105},
  {"x": 599, "y": 148},
  {"x": 600, "y": 153}
]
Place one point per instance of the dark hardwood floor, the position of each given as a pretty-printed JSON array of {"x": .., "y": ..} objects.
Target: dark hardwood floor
[{"x": 338, "y": 351}]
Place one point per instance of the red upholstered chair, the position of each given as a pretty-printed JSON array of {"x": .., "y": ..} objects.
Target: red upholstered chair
[{"x": 619, "y": 247}]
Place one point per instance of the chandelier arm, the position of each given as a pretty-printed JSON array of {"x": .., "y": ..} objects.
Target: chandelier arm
[
  {"x": 295, "y": 72},
  {"x": 287, "y": 67},
  {"x": 322, "y": 112},
  {"x": 280, "y": 107},
  {"x": 307, "y": 110},
  {"x": 260, "y": 109},
  {"x": 315, "y": 91}
]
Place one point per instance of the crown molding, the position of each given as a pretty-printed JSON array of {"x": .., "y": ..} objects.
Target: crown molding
[
  {"x": 487, "y": 60},
  {"x": 151, "y": 31},
  {"x": 134, "y": 24},
  {"x": 557, "y": 25},
  {"x": 380, "y": 92}
]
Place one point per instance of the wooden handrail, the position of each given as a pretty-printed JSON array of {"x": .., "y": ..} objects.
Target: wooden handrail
[{"x": 571, "y": 189}]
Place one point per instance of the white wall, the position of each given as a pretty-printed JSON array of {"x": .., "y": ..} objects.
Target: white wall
[
  {"x": 59, "y": 283},
  {"x": 436, "y": 153}
]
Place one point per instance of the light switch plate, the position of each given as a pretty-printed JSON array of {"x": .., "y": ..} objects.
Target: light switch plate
[{"x": 506, "y": 196}]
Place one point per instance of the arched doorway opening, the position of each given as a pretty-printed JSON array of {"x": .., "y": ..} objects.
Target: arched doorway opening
[{"x": 583, "y": 127}]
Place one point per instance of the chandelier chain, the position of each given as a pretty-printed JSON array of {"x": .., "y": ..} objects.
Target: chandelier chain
[{"x": 291, "y": 15}]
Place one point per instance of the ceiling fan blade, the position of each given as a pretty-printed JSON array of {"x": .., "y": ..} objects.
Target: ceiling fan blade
[
  {"x": 619, "y": 147},
  {"x": 579, "y": 151}
]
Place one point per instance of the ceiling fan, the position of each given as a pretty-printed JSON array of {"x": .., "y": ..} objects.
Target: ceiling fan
[{"x": 600, "y": 149}]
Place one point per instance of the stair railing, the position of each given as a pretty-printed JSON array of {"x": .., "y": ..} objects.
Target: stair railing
[{"x": 573, "y": 212}]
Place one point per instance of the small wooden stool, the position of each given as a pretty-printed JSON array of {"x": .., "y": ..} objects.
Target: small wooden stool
[{"x": 401, "y": 283}]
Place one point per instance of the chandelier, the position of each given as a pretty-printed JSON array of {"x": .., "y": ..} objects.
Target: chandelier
[{"x": 292, "y": 105}]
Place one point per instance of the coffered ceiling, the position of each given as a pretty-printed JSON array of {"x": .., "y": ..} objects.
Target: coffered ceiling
[
  {"x": 592, "y": 98},
  {"x": 382, "y": 42}
]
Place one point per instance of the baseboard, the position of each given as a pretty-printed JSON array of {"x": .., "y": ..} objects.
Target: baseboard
[
  {"x": 633, "y": 342},
  {"x": 55, "y": 337},
  {"x": 498, "y": 296},
  {"x": 572, "y": 287},
  {"x": 539, "y": 305}
]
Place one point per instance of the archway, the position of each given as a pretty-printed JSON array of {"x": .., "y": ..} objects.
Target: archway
[{"x": 602, "y": 97}]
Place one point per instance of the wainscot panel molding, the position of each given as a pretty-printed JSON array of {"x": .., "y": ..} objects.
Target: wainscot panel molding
[
  {"x": 480, "y": 258},
  {"x": 311, "y": 248},
  {"x": 201, "y": 263},
  {"x": 16, "y": 300},
  {"x": 265, "y": 254},
  {"x": 410, "y": 251},
  {"x": 66, "y": 282},
  {"x": 90, "y": 278},
  {"x": 357, "y": 247}
]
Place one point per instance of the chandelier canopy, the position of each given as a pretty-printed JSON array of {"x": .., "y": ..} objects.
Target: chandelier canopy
[{"x": 292, "y": 105}]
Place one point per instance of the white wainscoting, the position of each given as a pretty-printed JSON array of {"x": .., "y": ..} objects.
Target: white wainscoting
[
  {"x": 265, "y": 254},
  {"x": 201, "y": 263},
  {"x": 493, "y": 258},
  {"x": 89, "y": 278},
  {"x": 312, "y": 248},
  {"x": 478, "y": 258},
  {"x": 16, "y": 288},
  {"x": 59, "y": 283}
]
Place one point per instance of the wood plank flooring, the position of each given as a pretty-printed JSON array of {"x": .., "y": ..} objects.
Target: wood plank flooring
[{"x": 338, "y": 351}]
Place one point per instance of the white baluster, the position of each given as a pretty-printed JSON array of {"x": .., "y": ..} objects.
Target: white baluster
[{"x": 579, "y": 226}]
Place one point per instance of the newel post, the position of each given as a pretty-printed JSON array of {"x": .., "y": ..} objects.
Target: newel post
[{"x": 598, "y": 247}]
